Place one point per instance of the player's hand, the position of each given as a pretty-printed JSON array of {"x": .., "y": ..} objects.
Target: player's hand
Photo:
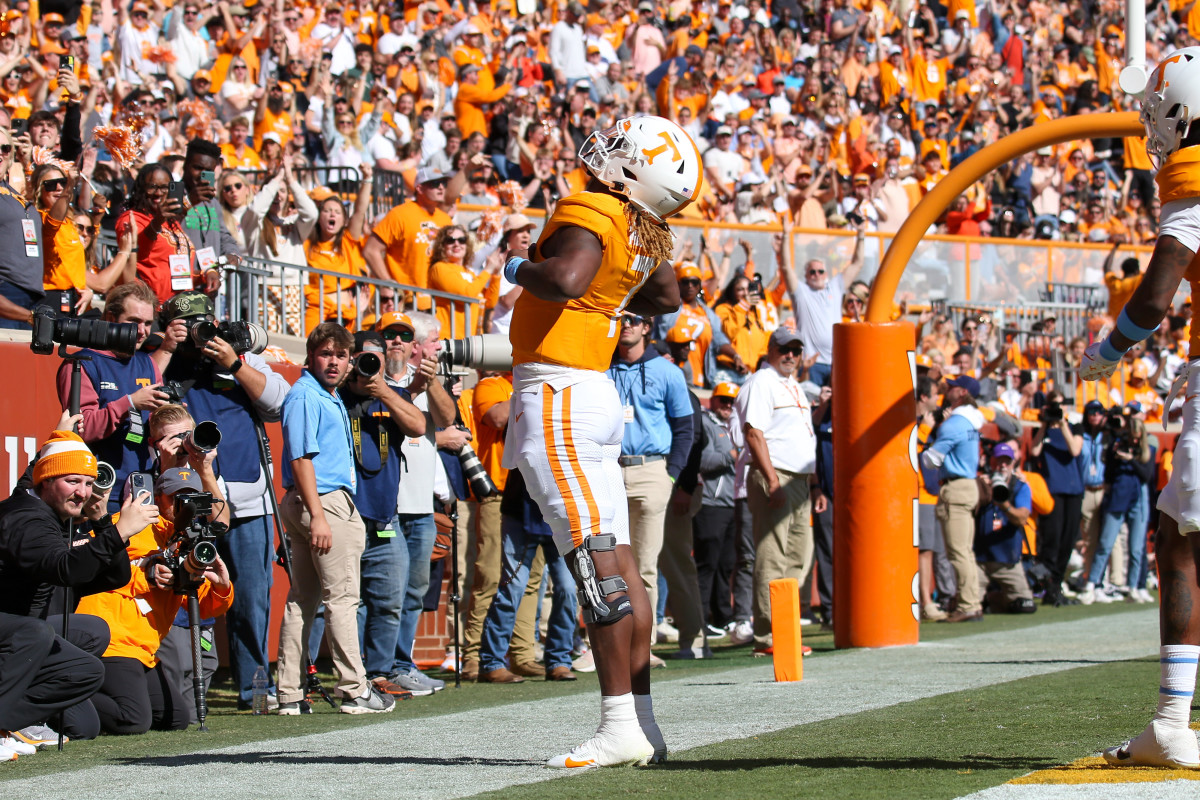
[{"x": 1095, "y": 367}]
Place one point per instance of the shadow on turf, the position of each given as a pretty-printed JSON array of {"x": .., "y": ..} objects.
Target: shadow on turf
[
  {"x": 1034, "y": 661},
  {"x": 307, "y": 759},
  {"x": 863, "y": 762}
]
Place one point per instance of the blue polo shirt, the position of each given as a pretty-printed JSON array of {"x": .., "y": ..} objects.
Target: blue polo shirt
[
  {"x": 316, "y": 426},
  {"x": 957, "y": 440},
  {"x": 653, "y": 391}
]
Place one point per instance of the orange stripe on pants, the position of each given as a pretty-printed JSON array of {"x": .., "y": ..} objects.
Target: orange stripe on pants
[
  {"x": 573, "y": 460},
  {"x": 560, "y": 477}
]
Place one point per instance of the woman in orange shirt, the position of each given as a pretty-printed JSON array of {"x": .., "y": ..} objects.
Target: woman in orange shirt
[
  {"x": 335, "y": 245},
  {"x": 452, "y": 253},
  {"x": 738, "y": 311},
  {"x": 64, "y": 270}
]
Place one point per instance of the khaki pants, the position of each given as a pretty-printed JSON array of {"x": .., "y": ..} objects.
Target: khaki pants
[
  {"x": 468, "y": 510},
  {"x": 648, "y": 488},
  {"x": 1011, "y": 584},
  {"x": 332, "y": 579},
  {"x": 1093, "y": 516},
  {"x": 488, "y": 563},
  {"x": 683, "y": 584},
  {"x": 783, "y": 541},
  {"x": 956, "y": 511}
]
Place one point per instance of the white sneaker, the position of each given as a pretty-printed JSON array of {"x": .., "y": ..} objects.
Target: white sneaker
[
  {"x": 1157, "y": 746},
  {"x": 605, "y": 750},
  {"x": 1088, "y": 595},
  {"x": 1146, "y": 596},
  {"x": 666, "y": 633},
  {"x": 742, "y": 633},
  {"x": 7, "y": 755},
  {"x": 585, "y": 663},
  {"x": 1067, "y": 591},
  {"x": 17, "y": 746},
  {"x": 1103, "y": 596}
]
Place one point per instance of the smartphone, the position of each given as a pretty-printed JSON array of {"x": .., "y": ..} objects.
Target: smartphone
[
  {"x": 854, "y": 217},
  {"x": 20, "y": 126},
  {"x": 139, "y": 485},
  {"x": 66, "y": 62},
  {"x": 176, "y": 191},
  {"x": 209, "y": 177},
  {"x": 755, "y": 286}
]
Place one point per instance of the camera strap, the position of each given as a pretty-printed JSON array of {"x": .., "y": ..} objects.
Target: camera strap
[{"x": 356, "y": 413}]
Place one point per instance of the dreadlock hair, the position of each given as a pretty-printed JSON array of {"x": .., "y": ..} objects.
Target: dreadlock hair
[{"x": 654, "y": 237}]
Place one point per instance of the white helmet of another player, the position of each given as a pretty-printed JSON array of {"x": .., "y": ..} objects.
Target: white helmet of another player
[
  {"x": 650, "y": 160},
  {"x": 1172, "y": 102}
]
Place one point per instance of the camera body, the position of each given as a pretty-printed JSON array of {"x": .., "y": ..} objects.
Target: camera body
[
  {"x": 243, "y": 337},
  {"x": 1052, "y": 414},
  {"x": 194, "y": 543},
  {"x": 1117, "y": 424},
  {"x": 1000, "y": 488},
  {"x": 50, "y": 327}
]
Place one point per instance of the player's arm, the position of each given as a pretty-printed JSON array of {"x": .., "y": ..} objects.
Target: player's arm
[
  {"x": 659, "y": 295},
  {"x": 1145, "y": 310},
  {"x": 572, "y": 259}
]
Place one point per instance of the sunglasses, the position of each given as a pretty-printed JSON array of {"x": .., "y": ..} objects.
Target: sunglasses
[
  {"x": 190, "y": 12},
  {"x": 54, "y": 184},
  {"x": 456, "y": 240},
  {"x": 690, "y": 282},
  {"x": 387, "y": 298},
  {"x": 229, "y": 187},
  {"x": 816, "y": 272},
  {"x": 632, "y": 319},
  {"x": 970, "y": 327},
  {"x": 792, "y": 350},
  {"x": 5, "y": 149},
  {"x": 404, "y": 334}
]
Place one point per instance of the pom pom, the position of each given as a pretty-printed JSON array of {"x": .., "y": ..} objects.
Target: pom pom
[
  {"x": 512, "y": 195},
  {"x": 491, "y": 223},
  {"x": 121, "y": 143},
  {"x": 160, "y": 54}
]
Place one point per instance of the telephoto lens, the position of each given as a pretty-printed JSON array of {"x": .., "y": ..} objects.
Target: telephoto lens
[
  {"x": 368, "y": 364},
  {"x": 106, "y": 476},
  {"x": 205, "y": 437},
  {"x": 1000, "y": 490},
  {"x": 203, "y": 555},
  {"x": 202, "y": 332},
  {"x": 476, "y": 475}
]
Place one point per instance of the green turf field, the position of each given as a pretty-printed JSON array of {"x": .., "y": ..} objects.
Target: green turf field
[{"x": 937, "y": 746}]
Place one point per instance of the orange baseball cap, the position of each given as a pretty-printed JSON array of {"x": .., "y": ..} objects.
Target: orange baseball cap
[
  {"x": 724, "y": 389},
  {"x": 52, "y": 17},
  {"x": 680, "y": 333},
  {"x": 202, "y": 75},
  {"x": 394, "y": 318},
  {"x": 1140, "y": 370},
  {"x": 688, "y": 269}
]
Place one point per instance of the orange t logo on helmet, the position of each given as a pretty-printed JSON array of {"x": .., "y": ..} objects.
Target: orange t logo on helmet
[{"x": 662, "y": 148}]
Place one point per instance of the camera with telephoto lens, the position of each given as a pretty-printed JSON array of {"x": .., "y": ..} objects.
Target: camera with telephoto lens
[
  {"x": 193, "y": 547},
  {"x": 106, "y": 477},
  {"x": 243, "y": 337},
  {"x": 50, "y": 327},
  {"x": 486, "y": 351},
  {"x": 368, "y": 364},
  {"x": 204, "y": 438},
  {"x": 1000, "y": 490},
  {"x": 1120, "y": 431},
  {"x": 473, "y": 471},
  {"x": 1052, "y": 414}
]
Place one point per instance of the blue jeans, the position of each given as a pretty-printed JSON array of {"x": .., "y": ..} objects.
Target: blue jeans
[
  {"x": 384, "y": 573},
  {"x": 821, "y": 374},
  {"x": 419, "y": 532},
  {"x": 22, "y": 297},
  {"x": 519, "y": 552},
  {"x": 1136, "y": 518},
  {"x": 248, "y": 550}
]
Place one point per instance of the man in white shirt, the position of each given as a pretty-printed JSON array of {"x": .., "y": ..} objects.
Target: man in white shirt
[
  {"x": 335, "y": 38},
  {"x": 817, "y": 304},
  {"x": 136, "y": 33},
  {"x": 568, "y": 53},
  {"x": 189, "y": 45},
  {"x": 773, "y": 415}
]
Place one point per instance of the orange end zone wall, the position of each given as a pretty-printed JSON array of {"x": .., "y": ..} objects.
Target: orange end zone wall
[{"x": 29, "y": 411}]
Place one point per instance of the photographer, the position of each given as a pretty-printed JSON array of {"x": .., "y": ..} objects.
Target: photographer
[
  {"x": 36, "y": 556},
  {"x": 1005, "y": 504},
  {"x": 1092, "y": 469},
  {"x": 1128, "y": 468},
  {"x": 138, "y": 692},
  {"x": 117, "y": 391},
  {"x": 1060, "y": 448},
  {"x": 324, "y": 527},
  {"x": 235, "y": 388},
  {"x": 381, "y": 415}
]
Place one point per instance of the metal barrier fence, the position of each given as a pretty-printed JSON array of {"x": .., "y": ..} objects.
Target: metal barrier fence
[
  {"x": 387, "y": 188},
  {"x": 1016, "y": 320},
  {"x": 290, "y": 299}
]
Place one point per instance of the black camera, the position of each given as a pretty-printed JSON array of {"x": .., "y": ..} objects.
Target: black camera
[
  {"x": 193, "y": 547},
  {"x": 1120, "y": 431},
  {"x": 243, "y": 337},
  {"x": 368, "y": 364},
  {"x": 49, "y": 327},
  {"x": 204, "y": 438},
  {"x": 106, "y": 477},
  {"x": 1000, "y": 490},
  {"x": 1052, "y": 414},
  {"x": 474, "y": 472}
]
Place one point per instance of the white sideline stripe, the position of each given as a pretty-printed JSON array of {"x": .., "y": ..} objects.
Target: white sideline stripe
[
  {"x": 465, "y": 753},
  {"x": 1165, "y": 790}
]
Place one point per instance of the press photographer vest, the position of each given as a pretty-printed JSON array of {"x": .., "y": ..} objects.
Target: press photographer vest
[
  {"x": 127, "y": 448},
  {"x": 375, "y": 440},
  {"x": 226, "y": 403}
]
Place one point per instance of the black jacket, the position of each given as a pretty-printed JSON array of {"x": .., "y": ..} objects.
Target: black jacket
[{"x": 35, "y": 557}]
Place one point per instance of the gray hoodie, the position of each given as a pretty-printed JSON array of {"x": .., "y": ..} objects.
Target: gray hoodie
[{"x": 716, "y": 462}]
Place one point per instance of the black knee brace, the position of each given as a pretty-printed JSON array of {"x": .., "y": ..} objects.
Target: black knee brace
[{"x": 593, "y": 590}]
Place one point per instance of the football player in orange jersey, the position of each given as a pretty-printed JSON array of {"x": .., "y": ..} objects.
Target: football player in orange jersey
[
  {"x": 1169, "y": 112},
  {"x": 605, "y": 251}
]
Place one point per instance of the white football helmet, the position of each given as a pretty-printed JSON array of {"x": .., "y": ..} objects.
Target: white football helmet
[
  {"x": 650, "y": 160},
  {"x": 1171, "y": 103}
]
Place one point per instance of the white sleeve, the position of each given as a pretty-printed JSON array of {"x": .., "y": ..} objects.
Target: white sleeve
[{"x": 1181, "y": 220}]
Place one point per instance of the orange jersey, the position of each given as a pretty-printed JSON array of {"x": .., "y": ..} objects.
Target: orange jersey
[
  {"x": 1178, "y": 180},
  {"x": 489, "y": 441},
  {"x": 65, "y": 263},
  {"x": 582, "y": 333},
  {"x": 248, "y": 160},
  {"x": 408, "y": 232}
]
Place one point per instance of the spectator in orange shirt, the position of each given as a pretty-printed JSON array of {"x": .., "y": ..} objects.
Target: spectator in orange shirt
[
  {"x": 64, "y": 262},
  {"x": 398, "y": 248},
  {"x": 237, "y": 152},
  {"x": 472, "y": 97},
  {"x": 452, "y": 253}
]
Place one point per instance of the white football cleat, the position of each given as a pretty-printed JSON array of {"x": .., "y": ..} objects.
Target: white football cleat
[
  {"x": 1095, "y": 367},
  {"x": 655, "y": 737},
  {"x": 1157, "y": 746},
  {"x": 605, "y": 750}
]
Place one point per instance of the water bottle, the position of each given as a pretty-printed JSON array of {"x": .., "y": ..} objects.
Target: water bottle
[{"x": 259, "y": 699}]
